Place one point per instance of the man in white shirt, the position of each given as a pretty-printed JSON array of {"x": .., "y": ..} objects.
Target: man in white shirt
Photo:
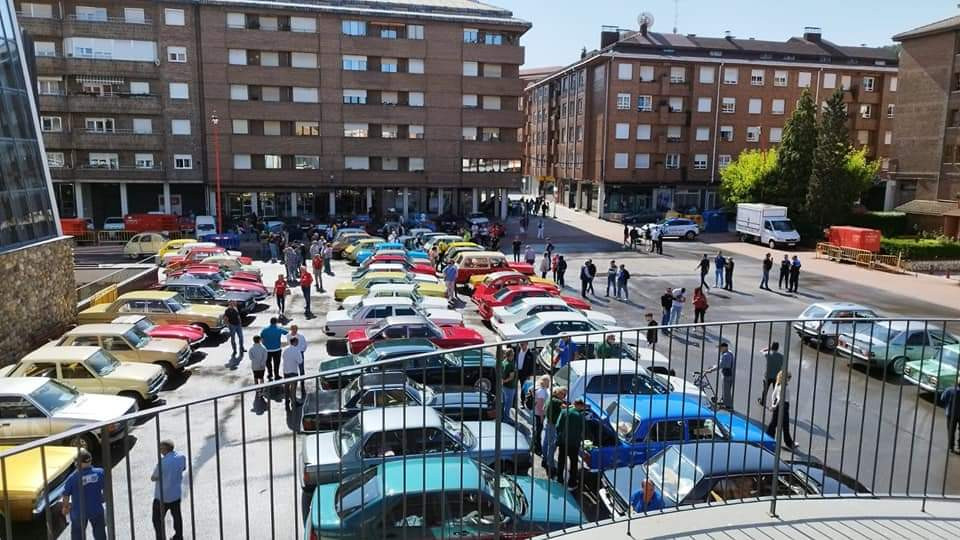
[
  {"x": 302, "y": 347},
  {"x": 525, "y": 362},
  {"x": 290, "y": 363}
]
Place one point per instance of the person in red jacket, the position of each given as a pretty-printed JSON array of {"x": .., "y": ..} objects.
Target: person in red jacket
[
  {"x": 318, "y": 271},
  {"x": 306, "y": 280},
  {"x": 280, "y": 291},
  {"x": 699, "y": 305}
]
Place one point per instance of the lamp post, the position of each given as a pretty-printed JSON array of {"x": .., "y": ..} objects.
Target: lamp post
[{"x": 215, "y": 120}]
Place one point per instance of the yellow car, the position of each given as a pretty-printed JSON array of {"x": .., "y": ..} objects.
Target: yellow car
[
  {"x": 130, "y": 344},
  {"x": 30, "y": 489},
  {"x": 162, "y": 307},
  {"x": 350, "y": 251},
  {"x": 91, "y": 370},
  {"x": 144, "y": 245},
  {"x": 173, "y": 246},
  {"x": 362, "y": 285},
  {"x": 494, "y": 277},
  {"x": 345, "y": 240}
]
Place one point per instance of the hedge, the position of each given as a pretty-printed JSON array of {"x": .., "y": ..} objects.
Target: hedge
[
  {"x": 891, "y": 224},
  {"x": 921, "y": 249}
]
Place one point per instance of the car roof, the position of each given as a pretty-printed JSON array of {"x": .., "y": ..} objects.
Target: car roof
[
  {"x": 832, "y": 306},
  {"x": 128, "y": 319},
  {"x": 388, "y": 301},
  {"x": 393, "y": 287},
  {"x": 609, "y": 366},
  {"x": 148, "y": 295},
  {"x": 524, "y": 288},
  {"x": 21, "y": 385},
  {"x": 662, "y": 406},
  {"x": 187, "y": 281},
  {"x": 51, "y": 353},
  {"x": 370, "y": 275},
  {"x": 385, "y": 378},
  {"x": 551, "y": 316},
  {"x": 431, "y": 473},
  {"x": 493, "y": 276},
  {"x": 414, "y": 416},
  {"x": 487, "y": 254},
  {"x": 104, "y": 329},
  {"x": 725, "y": 458},
  {"x": 406, "y": 319},
  {"x": 544, "y": 301}
]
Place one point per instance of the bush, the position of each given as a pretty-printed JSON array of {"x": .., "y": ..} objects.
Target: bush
[
  {"x": 891, "y": 224},
  {"x": 920, "y": 249}
]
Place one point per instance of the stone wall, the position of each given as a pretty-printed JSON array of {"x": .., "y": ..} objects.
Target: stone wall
[{"x": 38, "y": 298}]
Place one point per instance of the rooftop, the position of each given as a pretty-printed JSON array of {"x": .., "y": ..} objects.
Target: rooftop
[{"x": 949, "y": 24}]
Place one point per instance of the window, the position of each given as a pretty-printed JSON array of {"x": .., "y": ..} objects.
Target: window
[
  {"x": 99, "y": 125},
  {"x": 780, "y": 78},
  {"x": 303, "y": 60},
  {"x": 354, "y": 28},
  {"x": 271, "y": 128},
  {"x": 388, "y": 32},
  {"x": 241, "y": 127},
  {"x": 414, "y": 31},
  {"x": 306, "y": 95},
  {"x": 678, "y": 74},
  {"x": 56, "y": 160},
  {"x": 415, "y": 164},
  {"x": 355, "y": 130},
  {"x": 469, "y": 133},
  {"x": 829, "y": 80},
  {"x": 623, "y": 131},
  {"x": 863, "y": 137},
  {"x": 803, "y": 79},
  {"x": 866, "y": 111},
  {"x": 756, "y": 77},
  {"x": 306, "y": 129},
  {"x": 44, "y": 48},
  {"x": 753, "y": 134},
  {"x": 755, "y": 106},
  {"x": 39, "y": 11},
  {"x": 845, "y": 82},
  {"x": 491, "y": 103},
  {"x": 49, "y": 86},
  {"x": 303, "y": 24},
  {"x": 415, "y": 99},
  {"x": 389, "y": 98},
  {"x": 241, "y": 161},
  {"x": 623, "y": 102},
  {"x": 777, "y": 106},
  {"x": 703, "y": 134},
  {"x": 415, "y": 65},
  {"x": 891, "y": 110},
  {"x": 389, "y": 131},
  {"x": 139, "y": 88},
  {"x": 355, "y": 97},
  {"x": 306, "y": 163},
  {"x": 134, "y": 16},
  {"x": 675, "y": 104},
  {"x": 87, "y": 13},
  {"x": 392, "y": 164},
  {"x": 620, "y": 161},
  {"x": 356, "y": 163},
  {"x": 706, "y": 74},
  {"x": 625, "y": 71},
  {"x": 641, "y": 161},
  {"x": 237, "y": 57},
  {"x": 645, "y": 103},
  {"x": 674, "y": 133},
  {"x": 354, "y": 63},
  {"x": 704, "y": 104},
  {"x": 272, "y": 161},
  {"x": 776, "y": 134},
  {"x": 389, "y": 65},
  {"x": 672, "y": 161},
  {"x": 726, "y": 133},
  {"x": 868, "y": 84},
  {"x": 179, "y": 91},
  {"x": 174, "y": 17},
  {"x": 103, "y": 161},
  {"x": 470, "y": 101},
  {"x": 700, "y": 161},
  {"x": 182, "y": 161},
  {"x": 177, "y": 54},
  {"x": 236, "y": 20},
  {"x": 731, "y": 75},
  {"x": 51, "y": 124},
  {"x": 143, "y": 126},
  {"x": 643, "y": 132},
  {"x": 728, "y": 105},
  {"x": 887, "y": 137},
  {"x": 471, "y": 35},
  {"x": 894, "y": 82},
  {"x": 493, "y": 71},
  {"x": 471, "y": 69},
  {"x": 180, "y": 127},
  {"x": 414, "y": 131}
]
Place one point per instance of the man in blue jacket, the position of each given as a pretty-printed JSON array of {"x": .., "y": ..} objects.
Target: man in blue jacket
[{"x": 271, "y": 337}]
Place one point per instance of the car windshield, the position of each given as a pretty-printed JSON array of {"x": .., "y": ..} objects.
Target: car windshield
[
  {"x": 565, "y": 377},
  {"x": 368, "y": 355},
  {"x": 349, "y": 434},
  {"x": 424, "y": 393},
  {"x": 528, "y": 324},
  {"x": 349, "y": 391},
  {"x": 54, "y": 396},
  {"x": 136, "y": 337},
  {"x": 623, "y": 421},
  {"x": 177, "y": 304},
  {"x": 782, "y": 225},
  {"x": 215, "y": 290},
  {"x": 459, "y": 431},
  {"x": 515, "y": 308},
  {"x": 502, "y": 293},
  {"x": 355, "y": 310},
  {"x": 357, "y": 491},
  {"x": 511, "y": 496},
  {"x": 674, "y": 475},
  {"x": 102, "y": 363},
  {"x": 144, "y": 325},
  {"x": 375, "y": 329}
]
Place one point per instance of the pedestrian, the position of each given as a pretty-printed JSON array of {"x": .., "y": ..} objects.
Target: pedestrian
[
  {"x": 546, "y": 206},
  {"x": 719, "y": 265},
  {"x": 300, "y": 346},
  {"x": 265, "y": 246},
  {"x": 235, "y": 325},
  {"x": 794, "y": 274},
  {"x": 950, "y": 398},
  {"x": 314, "y": 247},
  {"x": 529, "y": 256},
  {"x": 666, "y": 302},
  {"x": 291, "y": 369},
  {"x": 541, "y": 396},
  {"x": 584, "y": 279},
  {"x": 82, "y": 498},
  {"x": 773, "y": 362},
  {"x": 592, "y": 268},
  {"x": 305, "y": 282},
  {"x": 784, "y": 272},
  {"x": 290, "y": 258},
  {"x": 612, "y": 279},
  {"x": 700, "y": 305},
  {"x": 626, "y": 237},
  {"x": 168, "y": 477},
  {"x": 271, "y": 336},
  {"x": 634, "y": 238},
  {"x": 728, "y": 279},
  {"x": 767, "y": 265},
  {"x": 554, "y": 262},
  {"x": 609, "y": 348},
  {"x": 676, "y": 307},
  {"x": 550, "y": 247},
  {"x": 727, "y": 366},
  {"x": 526, "y": 362},
  {"x": 551, "y": 414},
  {"x": 327, "y": 254},
  {"x": 540, "y": 230},
  {"x": 561, "y": 270},
  {"x": 658, "y": 240},
  {"x": 623, "y": 277},
  {"x": 318, "y": 272},
  {"x": 704, "y": 266},
  {"x": 274, "y": 248},
  {"x": 783, "y": 378},
  {"x": 516, "y": 248},
  {"x": 566, "y": 352},
  {"x": 652, "y": 334},
  {"x": 258, "y": 360},
  {"x": 648, "y": 238},
  {"x": 450, "y": 280},
  {"x": 280, "y": 291},
  {"x": 434, "y": 255},
  {"x": 508, "y": 372},
  {"x": 545, "y": 264},
  {"x": 570, "y": 432}
]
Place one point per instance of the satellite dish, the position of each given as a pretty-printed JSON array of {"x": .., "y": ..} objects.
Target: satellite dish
[{"x": 645, "y": 19}]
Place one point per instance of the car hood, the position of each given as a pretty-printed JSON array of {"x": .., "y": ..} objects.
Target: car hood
[
  {"x": 132, "y": 371},
  {"x": 548, "y": 502},
  {"x": 339, "y": 316},
  {"x": 25, "y": 475},
  {"x": 507, "y": 330},
  {"x": 241, "y": 285},
  {"x": 933, "y": 367},
  {"x": 236, "y": 296},
  {"x": 461, "y": 332},
  {"x": 511, "y": 439},
  {"x": 319, "y": 449},
  {"x": 600, "y": 318},
  {"x": 445, "y": 315},
  {"x": 96, "y": 408},
  {"x": 164, "y": 345},
  {"x": 203, "y": 310}
]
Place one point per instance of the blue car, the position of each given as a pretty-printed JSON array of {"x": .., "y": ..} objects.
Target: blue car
[
  {"x": 631, "y": 428},
  {"x": 366, "y": 253},
  {"x": 437, "y": 497}
]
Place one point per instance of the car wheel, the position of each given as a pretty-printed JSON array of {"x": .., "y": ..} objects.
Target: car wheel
[
  {"x": 86, "y": 441},
  {"x": 483, "y": 384},
  {"x": 690, "y": 235},
  {"x": 168, "y": 369},
  {"x": 772, "y": 244},
  {"x": 828, "y": 342},
  {"x": 895, "y": 367}
]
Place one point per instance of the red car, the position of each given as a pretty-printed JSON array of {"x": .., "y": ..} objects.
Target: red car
[
  {"x": 417, "y": 266},
  {"x": 213, "y": 268},
  {"x": 191, "y": 333},
  {"x": 506, "y": 295},
  {"x": 497, "y": 280},
  {"x": 196, "y": 255},
  {"x": 415, "y": 326},
  {"x": 225, "y": 283}
]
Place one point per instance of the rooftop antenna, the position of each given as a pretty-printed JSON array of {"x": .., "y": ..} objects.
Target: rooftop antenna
[{"x": 676, "y": 14}]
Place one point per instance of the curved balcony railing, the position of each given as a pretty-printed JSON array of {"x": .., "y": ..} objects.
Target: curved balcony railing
[{"x": 655, "y": 438}]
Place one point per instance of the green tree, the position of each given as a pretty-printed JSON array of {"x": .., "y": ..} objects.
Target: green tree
[
  {"x": 823, "y": 199},
  {"x": 746, "y": 178},
  {"x": 788, "y": 186}
]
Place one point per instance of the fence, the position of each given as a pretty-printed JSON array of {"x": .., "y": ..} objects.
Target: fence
[
  {"x": 121, "y": 237},
  {"x": 401, "y": 470},
  {"x": 860, "y": 257}
]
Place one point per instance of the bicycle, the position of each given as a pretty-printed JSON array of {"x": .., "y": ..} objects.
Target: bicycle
[{"x": 701, "y": 381}]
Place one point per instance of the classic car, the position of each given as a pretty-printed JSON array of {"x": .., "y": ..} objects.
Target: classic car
[
  {"x": 414, "y": 326},
  {"x": 505, "y": 296},
  {"x": 395, "y": 258},
  {"x": 891, "y": 344},
  {"x": 163, "y": 307},
  {"x": 478, "y": 263},
  {"x": 483, "y": 283},
  {"x": 449, "y": 496},
  {"x": 392, "y": 247},
  {"x": 414, "y": 255},
  {"x": 455, "y": 249},
  {"x": 197, "y": 291},
  {"x": 92, "y": 370},
  {"x": 37, "y": 407},
  {"x": 372, "y": 310},
  {"x": 600, "y": 379},
  {"x": 199, "y": 254},
  {"x": 445, "y": 239},
  {"x": 401, "y": 290},
  {"x": 343, "y": 239},
  {"x": 587, "y": 348},
  {"x": 548, "y": 324},
  {"x": 130, "y": 344},
  {"x": 714, "y": 472},
  {"x": 528, "y": 307},
  {"x": 628, "y": 429},
  {"x": 231, "y": 264},
  {"x": 324, "y": 410},
  {"x": 826, "y": 333},
  {"x": 398, "y": 265},
  {"x": 216, "y": 273},
  {"x": 936, "y": 372},
  {"x": 397, "y": 433},
  {"x": 229, "y": 284},
  {"x": 362, "y": 285},
  {"x": 173, "y": 246},
  {"x": 421, "y": 360},
  {"x": 194, "y": 335},
  {"x": 34, "y": 482},
  {"x": 185, "y": 246},
  {"x": 350, "y": 252},
  {"x": 144, "y": 245}
]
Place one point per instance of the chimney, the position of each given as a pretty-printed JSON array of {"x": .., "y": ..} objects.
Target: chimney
[
  {"x": 811, "y": 33},
  {"x": 608, "y": 36},
  {"x": 728, "y": 34}
]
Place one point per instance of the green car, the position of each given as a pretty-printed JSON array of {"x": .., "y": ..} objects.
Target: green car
[
  {"x": 890, "y": 345},
  {"x": 937, "y": 372}
]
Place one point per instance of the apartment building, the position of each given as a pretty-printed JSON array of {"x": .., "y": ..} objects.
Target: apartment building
[
  {"x": 303, "y": 108},
  {"x": 924, "y": 175},
  {"x": 646, "y": 123}
]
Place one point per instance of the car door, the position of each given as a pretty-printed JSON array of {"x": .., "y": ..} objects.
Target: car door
[
  {"x": 120, "y": 348},
  {"x": 79, "y": 375},
  {"x": 159, "y": 312},
  {"x": 21, "y": 420},
  {"x": 412, "y": 512},
  {"x": 660, "y": 435},
  {"x": 375, "y": 314},
  {"x": 918, "y": 345},
  {"x": 551, "y": 329}
]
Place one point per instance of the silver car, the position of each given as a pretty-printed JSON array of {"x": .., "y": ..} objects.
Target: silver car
[
  {"x": 394, "y": 433},
  {"x": 826, "y": 333}
]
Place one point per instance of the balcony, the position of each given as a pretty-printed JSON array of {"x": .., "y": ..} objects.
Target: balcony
[
  {"x": 494, "y": 54},
  {"x": 117, "y": 140},
  {"x": 290, "y": 76},
  {"x": 122, "y": 172},
  {"x": 127, "y": 103},
  {"x": 51, "y": 65},
  {"x": 488, "y": 117},
  {"x": 390, "y": 48},
  {"x": 490, "y": 86},
  {"x": 378, "y": 80},
  {"x": 491, "y": 149},
  {"x": 385, "y": 114},
  {"x": 384, "y": 147},
  {"x": 40, "y": 26},
  {"x": 873, "y": 98},
  {"x": 251, "y": 38},
  {"x": 860, "y": 122},
  {"x": 48, "y": 103},
  {"x": 291, "y": 144},
  {"x": 104, "y": 66},
  {"x": 57, "y": 140},
  {"x": 269, "y": 110},
  {"x": 111, "y": 27}
]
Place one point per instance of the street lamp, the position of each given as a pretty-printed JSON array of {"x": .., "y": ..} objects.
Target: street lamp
[{"x": 215, "y": 120}]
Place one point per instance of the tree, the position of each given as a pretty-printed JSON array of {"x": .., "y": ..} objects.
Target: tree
[
  {"x": 823, "y": 199},
  {"x": 747, "y": 178},
  {"x": 788, "y": 186}
]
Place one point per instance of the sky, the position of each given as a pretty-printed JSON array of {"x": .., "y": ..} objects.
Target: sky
[{"x": 562, "y": 27}]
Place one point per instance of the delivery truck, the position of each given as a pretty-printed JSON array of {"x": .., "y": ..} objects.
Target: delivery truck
[{"x": 767, "y": 224}]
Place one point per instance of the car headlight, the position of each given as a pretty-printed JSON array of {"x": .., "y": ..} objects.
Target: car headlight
[
  {"x": 932, "y": 380},
  {"x": 115, "y": 427}
]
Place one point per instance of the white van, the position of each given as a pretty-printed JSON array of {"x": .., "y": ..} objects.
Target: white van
[{"x": 205, "y": 225}]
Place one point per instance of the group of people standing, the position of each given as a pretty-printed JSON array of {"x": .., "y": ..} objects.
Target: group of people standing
[{"x": 651, "y": 236}]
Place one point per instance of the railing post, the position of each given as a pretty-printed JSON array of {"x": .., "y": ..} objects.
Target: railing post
[
  {"x": 497, "y": 450},
  {"x": 780, "y": 417},
  {"x": 107, "y": 461}
]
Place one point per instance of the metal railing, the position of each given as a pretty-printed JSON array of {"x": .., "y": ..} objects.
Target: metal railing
[
  {"x": 860, "y": 257},
  {"x": 651, "y": 412}
]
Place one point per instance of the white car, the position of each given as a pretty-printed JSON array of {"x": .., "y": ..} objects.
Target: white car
[
  {"x": 601, "y": 379},
  {"x": 826, "y": 333},
  {"x": 113, "y": 224},
  {"x": 370, "y": 311},
  {"x": 527, "y": 307},
  {"x": 675, "y": 227},
  {"x": 402, "y": 290},
  {"x": 385, "y": 267},
  {"x": 546, "y": 325}
]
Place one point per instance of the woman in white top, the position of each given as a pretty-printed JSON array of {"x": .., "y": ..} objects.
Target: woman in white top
[
  {"x": 540, "y": 396},
  {"x": 783, "y": 379},
  {"x": 545, "y": 265}
]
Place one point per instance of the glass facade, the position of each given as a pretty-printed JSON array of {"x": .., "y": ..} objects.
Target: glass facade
[{"x": 26, "y": 209}]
